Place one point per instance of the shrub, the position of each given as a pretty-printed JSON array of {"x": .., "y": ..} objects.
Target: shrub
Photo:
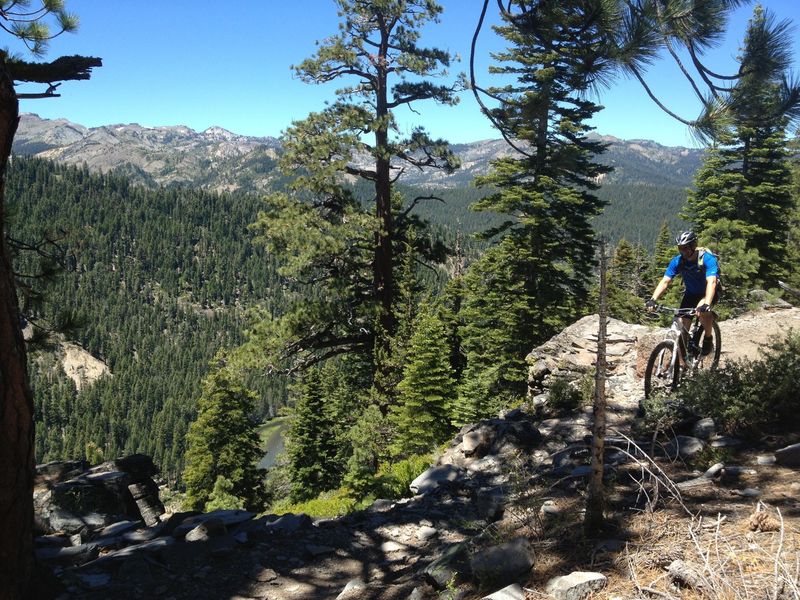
[
  {"x": 328, "y": 504},
  {"x": 566, "y": 396},
  {"x": 749, "y": 398},
  {"x": 393, "y": 479}
]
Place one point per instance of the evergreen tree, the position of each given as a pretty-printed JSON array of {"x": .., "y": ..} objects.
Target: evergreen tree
[
  {"x": 626, "y": 286},
  {"x": 368, "y": 442},
  {"x": 34, "y": 23},
  {"x": 223, "y": 442},
  {"x": 745, "y": 179},
  {"x": 496, "y": 332},
  {"x": 345, "y": 252},
  {"x": 312, "y": 442},
  {"x": 427, "y": 389},
  {"x": 542, "y": 268}
]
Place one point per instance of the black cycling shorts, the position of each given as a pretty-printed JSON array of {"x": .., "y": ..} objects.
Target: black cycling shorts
[{"x": 691, "y": 300}]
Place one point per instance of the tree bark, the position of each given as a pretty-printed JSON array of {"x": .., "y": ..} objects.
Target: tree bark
[
  {"x": 595, "y": 502},
  {"x": 16, "y": 401}
]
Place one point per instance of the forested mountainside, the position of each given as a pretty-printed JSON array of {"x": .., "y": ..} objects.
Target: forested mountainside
[
  {"x": 161, "y": 278},
  {"x": 647, "y": 186},
  {"x": 158, "y": 279}
]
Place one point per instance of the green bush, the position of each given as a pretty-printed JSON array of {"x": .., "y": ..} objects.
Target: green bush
[
  {"x": 568, "y": 396},
  {"x": 750, "y": 398},
  {"x": 328, "y": 504},
  {"x": 393, "y": 479}
]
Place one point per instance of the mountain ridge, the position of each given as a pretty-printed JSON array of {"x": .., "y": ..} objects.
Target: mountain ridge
[{"x": 219, "y": 160}]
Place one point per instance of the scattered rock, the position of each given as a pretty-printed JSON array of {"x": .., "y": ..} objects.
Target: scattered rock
[
  {"x": 435, "y": 477},
  {"x": 576, "y": 586},
  {"x": 503, "y": 564},
  {"x": 511, "y": 592},
  {"x": 788, "y": 456}
]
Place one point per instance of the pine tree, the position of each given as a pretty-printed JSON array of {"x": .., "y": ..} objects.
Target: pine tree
[
  {"x": 345, "y": 252},
  {"x": 312, "y": 441},
  {"x": 420, "y": 419},
  {"x": 626, "y": 287},
  {"x": 745, "y": 180},
  {"x": 223, "y": 442},
  {"x": 534, "y": 281},
  {"x": 35, "y": 26},
  {"x": 368, "y": 442},
  {"x": 496, "y": 332}
]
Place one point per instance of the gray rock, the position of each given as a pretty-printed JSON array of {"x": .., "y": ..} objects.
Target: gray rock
[
  {"x": 144, "y": 535},
  {"x": 432, "y": 478},
  {"x": 704, "y": 428},
  {"x": 354, "y": 585},
  {"x": 318, "y": 550},
  {"x": 576, "y": 586},
  {"x": 94, "y": 581},
  {"x": 474, "y": 443},
  {"x": 70, "y": 554},
  {"x": 145, "y": 494},
  {"x": 503, "y": 564},
  {"x": 684, "y": 447},
  {"x": 289, "y": 523},
  {"x": 391, "y": 546},
  {"x": 511, "y": 592},
  {"x": 714, "y": 471},
  {"x": 228, "y": 518},
  {"x": 491, "y": 503},
  {"x": 425, "y": 533},
  {"x": 119, "y": 528},
  {"x": 449, "y": 566},
  {"x": 766, "y": 459},
  {"x": 206, "y": 530},
  {"x": 788, "y": 456},
  {"x": 723, "y": 441},
  {"x": 488, "y": 465}
]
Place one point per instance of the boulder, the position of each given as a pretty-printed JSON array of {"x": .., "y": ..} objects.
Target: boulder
[
  {"x": 71, "y": 497},
  {"x": 788, "y": 456},
  {"x": 503, "y": 564},
  {"x": 576, "y": 586},
  {"x": 434, "y": 477},
  {"x": 452, "y": 563}
]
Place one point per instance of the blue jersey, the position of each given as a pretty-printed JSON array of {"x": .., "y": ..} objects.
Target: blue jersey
[{"x": 693, "y": 274}]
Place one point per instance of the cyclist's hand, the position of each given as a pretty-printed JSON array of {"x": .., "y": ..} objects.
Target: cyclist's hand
[
  {"x": 651, "y": 305},
  {"x": 703, "y": 308}
]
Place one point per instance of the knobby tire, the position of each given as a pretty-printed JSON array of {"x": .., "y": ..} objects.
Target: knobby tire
[{"x": 658, "y": 368}]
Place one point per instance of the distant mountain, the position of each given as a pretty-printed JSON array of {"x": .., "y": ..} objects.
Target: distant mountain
[
  {"x": 214, "y": 159},
  {"x": 219, "y": 160}
]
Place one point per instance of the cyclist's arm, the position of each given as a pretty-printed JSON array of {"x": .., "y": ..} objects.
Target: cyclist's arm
[
  {"x": 711, "y": 289},
  {"x": 661, "y": 287}
]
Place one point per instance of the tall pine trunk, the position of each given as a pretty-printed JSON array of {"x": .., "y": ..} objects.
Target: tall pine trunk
[{"x": 16, "y": 401}]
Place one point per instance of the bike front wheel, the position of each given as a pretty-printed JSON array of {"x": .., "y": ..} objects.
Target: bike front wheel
[{"x": 663, "y": 369}]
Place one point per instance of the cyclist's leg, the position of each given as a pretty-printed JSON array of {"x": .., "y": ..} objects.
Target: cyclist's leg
[
  {"x": 689, "y": 301},
  {"x": 707, "y": 318}
]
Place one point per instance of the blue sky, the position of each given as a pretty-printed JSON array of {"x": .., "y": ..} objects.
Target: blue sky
[{"x": 203, "y": 64}]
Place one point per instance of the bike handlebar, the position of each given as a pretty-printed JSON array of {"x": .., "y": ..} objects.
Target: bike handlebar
[{"x": 678, "y": 312}]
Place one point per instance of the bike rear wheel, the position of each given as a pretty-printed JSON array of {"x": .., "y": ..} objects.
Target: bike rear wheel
[
  {"x": 708, "y": 361},
  {"x": 663, "y": 369}
]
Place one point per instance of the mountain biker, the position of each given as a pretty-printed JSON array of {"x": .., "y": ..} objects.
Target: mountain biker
[{"x": 700, "y": 279}]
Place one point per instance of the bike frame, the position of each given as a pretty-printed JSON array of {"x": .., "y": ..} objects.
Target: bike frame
[{"x": 680, "y": 335}]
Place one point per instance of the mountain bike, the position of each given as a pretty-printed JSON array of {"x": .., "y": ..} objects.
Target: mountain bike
[{"x": 681, "y": 350}]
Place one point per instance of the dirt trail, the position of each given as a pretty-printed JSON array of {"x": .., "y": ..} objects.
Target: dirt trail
[{"x": 744, "y": 337}]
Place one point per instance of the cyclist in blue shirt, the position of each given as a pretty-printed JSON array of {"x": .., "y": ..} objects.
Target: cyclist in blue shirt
[{"x": 700, "y": 278}]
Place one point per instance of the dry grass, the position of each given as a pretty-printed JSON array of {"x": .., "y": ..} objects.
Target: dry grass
[{"x": 704, "y": 543}]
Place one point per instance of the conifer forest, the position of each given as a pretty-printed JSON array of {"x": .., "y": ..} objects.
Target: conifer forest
[{"x": 378, "y": 317}]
